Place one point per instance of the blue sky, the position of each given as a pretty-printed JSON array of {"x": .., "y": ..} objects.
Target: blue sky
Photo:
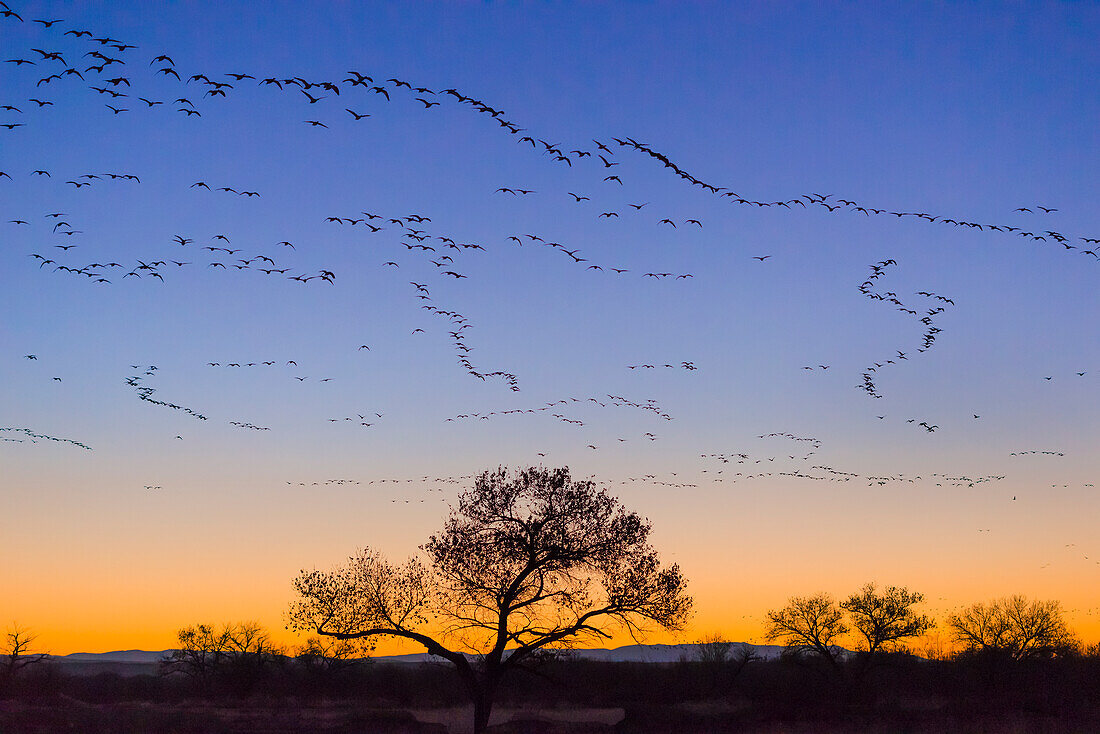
[{"x": 961, "y": 111}]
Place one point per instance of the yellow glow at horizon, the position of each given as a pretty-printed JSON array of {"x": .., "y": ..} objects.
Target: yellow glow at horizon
[{"x": 119, "y": 574}]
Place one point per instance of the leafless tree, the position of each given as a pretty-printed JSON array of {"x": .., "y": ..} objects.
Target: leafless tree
[
  {"x": 724, "y": 660},
  {"x": 1015, "y": 627},
  {"x": 202, "y": 649},
  {"x": 885, "y": 619},
  {"x": 15, "y": 653},
  {"x": 713, "y": 649},
  {"x": 331, "y": 655},
  {"x": 808, "y": 625},
  {"x": 979, "y": 627},
  {"x": 528, "y": 560},
  {"x": 250, "y": 639},
  {"x": 206, "y": 650},
  {"x": 251, "y": 653}
]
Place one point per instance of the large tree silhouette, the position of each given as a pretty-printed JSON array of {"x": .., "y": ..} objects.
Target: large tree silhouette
[
  {"x": 885, "y": 620},
  {"x": 528, "y": 561}
]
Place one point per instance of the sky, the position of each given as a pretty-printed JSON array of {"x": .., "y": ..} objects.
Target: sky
[{"x": 763, "y": 479}]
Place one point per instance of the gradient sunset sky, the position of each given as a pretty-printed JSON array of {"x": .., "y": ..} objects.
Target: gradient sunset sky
[{"x": 961, "y": 111}]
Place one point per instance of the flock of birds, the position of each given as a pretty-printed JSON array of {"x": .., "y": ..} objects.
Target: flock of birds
[
  {"x": 928, "y": 338},
  {"x": 77, "y": 61},
  {"x": 796, "y": 467},
  {"x": 34, "y": 437}
]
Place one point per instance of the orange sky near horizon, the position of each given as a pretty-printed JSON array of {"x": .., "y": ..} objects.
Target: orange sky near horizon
[
  {"x": 96, "y": 632},
  {"x": 744, "y": 546},
  {"x": 141, "y": 584}
]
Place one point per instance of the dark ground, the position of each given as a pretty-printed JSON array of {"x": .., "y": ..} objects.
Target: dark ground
[{"x": 902, "y": 695}]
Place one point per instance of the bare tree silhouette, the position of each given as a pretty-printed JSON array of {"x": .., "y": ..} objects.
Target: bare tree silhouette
[
  {"x": 713, "y": 649},
  {"x": 808, "y": 625},
  {"x": 1013, "y": 627},
  {"x": 202, "y": 648},
  {"x": 205, "y": 651},
  {"x": 326, "y": 656},
  {"x": 16, "y": 655},
  {"x": 529, "y": 560},
  {"x": 723, "y": 660},
  {"x": 884, "y": 619}
]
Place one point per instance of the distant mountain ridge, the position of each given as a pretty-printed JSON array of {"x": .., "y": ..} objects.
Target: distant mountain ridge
[
  {"x": 624, "y": 654},
  {"x": 116, "y": 656},
  {"x": 140, "y": 662}
]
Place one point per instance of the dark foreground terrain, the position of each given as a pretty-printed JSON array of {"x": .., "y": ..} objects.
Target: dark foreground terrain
[
  {"x": 900, "y": 695},
  {"x": 344, "y": 717}
]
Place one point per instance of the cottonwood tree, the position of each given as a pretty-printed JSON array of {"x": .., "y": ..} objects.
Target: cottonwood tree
[
  {"x": 528, "y": 560},
  {"x": 1014, "y": 627},
  {"x": 885, "y": 619},
  {"x": 808, "y": 625}
]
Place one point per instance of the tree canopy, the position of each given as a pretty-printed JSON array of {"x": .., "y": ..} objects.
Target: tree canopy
[
  {"x": 234, "y": 651},
  {"x": 528, "y": 560},
  {"x": 808, "y": 625},
  {"x": 884, "y": 619},
  {"x": 880, "y": 621},
  {"x": 1015, "y": 627}
]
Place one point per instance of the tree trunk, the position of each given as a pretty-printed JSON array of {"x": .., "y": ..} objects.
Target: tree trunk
[{"x": 483, "y": 707}]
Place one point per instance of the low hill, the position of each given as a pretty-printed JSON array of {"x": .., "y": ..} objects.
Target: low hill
[{"x": 143, "y": 662}]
